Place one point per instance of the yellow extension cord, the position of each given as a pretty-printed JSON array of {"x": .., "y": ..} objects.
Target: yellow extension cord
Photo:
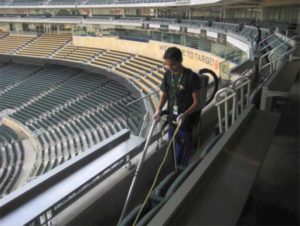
[{"x": 157, "y": 174}]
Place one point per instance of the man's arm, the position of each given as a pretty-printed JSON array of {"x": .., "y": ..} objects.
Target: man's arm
[
  {"x": 195, "y": 106},
  {"x": 162, "y": 102}
]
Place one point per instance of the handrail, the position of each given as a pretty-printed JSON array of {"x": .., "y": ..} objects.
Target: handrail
[
  {"x": 269, "y": 44},
  {"x": 269, "y": 52},
  {"x": 265, "y": 39},
  {"x": 271, "y": 62},
  {"x": 142, "y": 98},
  {"x": 145, "y": 119},
  {"x": 138, "y": 168},
  {"x": 145, "y": 123}
]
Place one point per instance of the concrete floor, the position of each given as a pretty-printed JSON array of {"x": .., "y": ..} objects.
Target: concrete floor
[{"x": 274, "y": 198}]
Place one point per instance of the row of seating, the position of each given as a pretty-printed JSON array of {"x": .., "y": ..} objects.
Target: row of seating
[
  {"x": 35, "y": 86},
  {"x": 144, "y": 72},
  {"x": 11, "y": 149},
  {"x": 249, "y": 32},
  {"x": 111, "y": 59},
  {"x": 69, "y": 110},
  {"x": 11, "y": 74},
  {"x": 82, "y": 124},
  {"x": 19, "y": 84},
  {"x": 81, "y": 110},
  {"x": 45, "y": 45},
  {"x": 76, "y": 86},
  {"x": 234, "y": 56},
  {"x": 27, "y": 2},
  {"x": 225, "y": 26},
  {"x": 3, "y": 34},
  {"x": 91, "y": 2},
  {"x": 11, "y": 162},
  {"x": 12, "y": 43},
  {"x": 91, "y": 134},
  {"x": 7, "y": 135},
  {"x": 198, "y": 43},
  {"x": 77, "y": 53}
]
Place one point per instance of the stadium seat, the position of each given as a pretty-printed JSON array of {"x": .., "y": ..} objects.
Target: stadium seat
[{"x": 45, "y": 45}]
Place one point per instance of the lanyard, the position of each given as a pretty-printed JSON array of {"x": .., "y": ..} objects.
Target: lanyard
[{"x": 176, "y": 88}]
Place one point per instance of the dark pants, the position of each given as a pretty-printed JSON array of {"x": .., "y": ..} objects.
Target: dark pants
[
  {"x": 183, "y": 145},
  {"x": 257, "y": 41}
]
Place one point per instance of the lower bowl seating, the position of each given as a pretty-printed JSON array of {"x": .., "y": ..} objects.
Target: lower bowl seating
[{"x": 67, "y": 109}]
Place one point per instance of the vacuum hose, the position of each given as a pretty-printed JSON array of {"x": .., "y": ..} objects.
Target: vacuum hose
[
  {"x": 157, "y": 173},
  {"x": 216, "y": 82}
]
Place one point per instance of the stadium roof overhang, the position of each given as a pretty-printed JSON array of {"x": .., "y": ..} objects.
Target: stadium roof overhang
[
  {"x": 177, "y": 3},
  {"x": 174, "y": 3}
]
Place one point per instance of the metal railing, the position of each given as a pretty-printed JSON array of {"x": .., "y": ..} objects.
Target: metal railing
[
  {"x": 269, "y": 53},
  {"x": 29, "y": 33},
  {"x": 264, "y": 40},
  {"x": 138, "y": 168},
  {"x": 224, "y": 97},
  {"x": 70, "y": 173},
  {"x": 278, "y": 61},
  {"x": 275, "y": 66},
  {"x": 146, "y": 119},
  {"x": 273, "y": 59},
  {"x": 242, "y": 87}
]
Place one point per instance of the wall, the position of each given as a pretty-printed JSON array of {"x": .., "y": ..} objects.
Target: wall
[
  {"x": 193, "y": 58},
  {"x": 4, "y": 26},
  {"x": 22, "y": 132},
  {"x": 17, "y": 127}
]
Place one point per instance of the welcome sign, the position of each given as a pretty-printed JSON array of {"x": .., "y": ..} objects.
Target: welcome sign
[{"x": 201, "y": 57}]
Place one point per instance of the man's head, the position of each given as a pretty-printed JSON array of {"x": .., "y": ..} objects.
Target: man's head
[{"x": 173, "y": 59}]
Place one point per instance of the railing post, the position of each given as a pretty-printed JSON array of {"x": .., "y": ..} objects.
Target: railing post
[
  {"x": 223, "y": 96},
  {"x": 239, "y": 87}
]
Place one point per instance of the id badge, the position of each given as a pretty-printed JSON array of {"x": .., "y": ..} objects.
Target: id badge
[{"x": 175, "y": 110}]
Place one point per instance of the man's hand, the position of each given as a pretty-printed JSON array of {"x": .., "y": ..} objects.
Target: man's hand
[
  {"x": 180, "y": 119},
  {"x": 156, "y": 116}
]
